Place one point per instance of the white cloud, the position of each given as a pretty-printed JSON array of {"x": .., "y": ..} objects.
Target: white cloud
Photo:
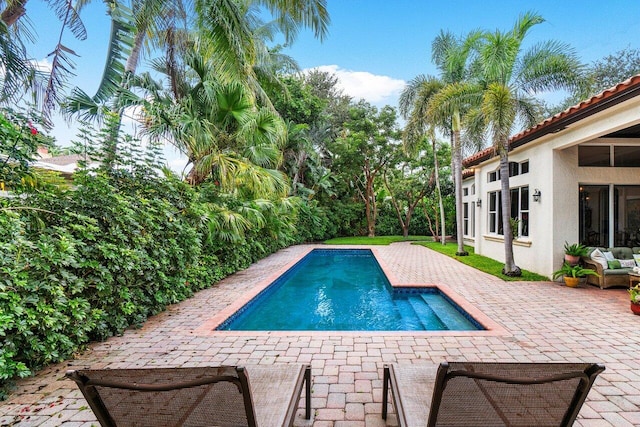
[
  {"x": 43, "y": 65},
  {"x": 376, "y": 89}
]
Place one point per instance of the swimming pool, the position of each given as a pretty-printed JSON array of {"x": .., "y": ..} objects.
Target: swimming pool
[{"x": 346, "y": 290}]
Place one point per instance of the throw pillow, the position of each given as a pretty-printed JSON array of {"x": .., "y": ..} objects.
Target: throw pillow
[
  {"x": 636, "y": 257},
  {"x": 615, "y": 264},
  {"x": 627, "y": 263},
  {"x": 598, "y": 257},
  {"x": 609, "y": 255}
]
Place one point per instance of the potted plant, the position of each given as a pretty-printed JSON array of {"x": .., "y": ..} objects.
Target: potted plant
[
  {"x": 573, "y": 273},
  {"x": 572, "y": 253},
  {"x": 634, "y": 296}
]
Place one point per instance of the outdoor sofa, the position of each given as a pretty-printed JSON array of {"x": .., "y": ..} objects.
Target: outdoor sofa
[{"x": 610, "y": 273}]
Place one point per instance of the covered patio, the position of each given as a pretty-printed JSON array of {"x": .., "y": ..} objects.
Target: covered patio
[{"x": 535, "y": 322}]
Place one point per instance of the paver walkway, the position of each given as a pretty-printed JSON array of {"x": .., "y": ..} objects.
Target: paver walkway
[{"x": 542, "y": 321}]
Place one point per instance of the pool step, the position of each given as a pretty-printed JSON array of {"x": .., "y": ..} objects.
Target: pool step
[
  {"x": 448, "y": 315},
  {"x": 410, "y": 318},
  {"x": 427, "y": 315}
]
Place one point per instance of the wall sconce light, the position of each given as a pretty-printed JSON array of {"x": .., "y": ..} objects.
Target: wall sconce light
[
  {"x": 478, "y": 203},
  {"x": 536, "y": 195}
]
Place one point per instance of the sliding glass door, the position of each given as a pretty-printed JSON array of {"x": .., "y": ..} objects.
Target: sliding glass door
[{"x": 609, "y": 215}]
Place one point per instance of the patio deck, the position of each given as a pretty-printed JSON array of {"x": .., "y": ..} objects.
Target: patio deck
[{"x": 536, "y": 322}]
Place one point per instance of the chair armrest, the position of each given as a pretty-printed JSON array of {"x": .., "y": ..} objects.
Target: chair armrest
[{"x": 589, "y": 263}]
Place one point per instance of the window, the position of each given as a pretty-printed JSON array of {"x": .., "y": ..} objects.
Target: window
[
  {"x": 473, "y": 189},
  {"x": 514, "y": 169},
  {"x": 594, "y": 155},
  {"x": 465, "y": 191},
  {"x": 519, "y": 211},
  {"x": 495, "y": 212},
  {"x": 626, "y": 156},
  {"x": 465, "y": 219},
  {"x": 609, "y": 215}
]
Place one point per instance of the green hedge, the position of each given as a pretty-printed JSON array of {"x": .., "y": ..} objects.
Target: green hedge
[{"x": 87, "y": 263}]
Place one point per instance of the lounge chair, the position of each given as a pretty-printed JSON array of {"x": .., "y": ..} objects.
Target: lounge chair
[
  {"x": 488, "y": 394},
  {"x": 212, "y": 396}
]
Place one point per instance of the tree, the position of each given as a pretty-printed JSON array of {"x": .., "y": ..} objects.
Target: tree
[
  {"x": 413, "y": 103},
  {"x": 235, "y": 37},
  {"x": 362, "y": 152},
  {"x": 20, "y": 76},
  {"x": 510, "y": 76},
  {"x": 602, "y": 75},
  {"x": 454, "y": 58},
  {"x": 408, "y": 183},
  {"x": 226, "y": 137}
]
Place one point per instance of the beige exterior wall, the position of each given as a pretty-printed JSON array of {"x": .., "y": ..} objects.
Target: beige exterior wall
[{"x": 553, "y": 169}]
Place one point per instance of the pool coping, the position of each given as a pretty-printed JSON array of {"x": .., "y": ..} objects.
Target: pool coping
[{"x": 492, "y": 328}]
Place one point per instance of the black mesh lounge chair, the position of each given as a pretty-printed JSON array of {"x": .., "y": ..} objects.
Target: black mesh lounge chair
[
  {"x": 488, "y": 394},
  {"x": 213, "y": 396}
]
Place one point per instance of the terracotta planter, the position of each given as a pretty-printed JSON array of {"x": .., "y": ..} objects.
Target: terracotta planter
[
  {"x": 571, "y": 259},
  {"x": 571, "y": 282},
  {"x": 635, "y": 308}
]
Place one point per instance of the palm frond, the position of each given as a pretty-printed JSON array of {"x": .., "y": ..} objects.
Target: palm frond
[
  {"x": 524, "y": 23},
  {"x": 549, "y": 65},
  {"x": 68, "y": 15},
  {"x": 498, "y": 108},
  {"x": 19, "y": 75},
  {"x": 61, "y": 70},
  {"x": 456, "y": 97},
  {"x": 312, "y": 14},
  {"x": 120, "y": 45}
]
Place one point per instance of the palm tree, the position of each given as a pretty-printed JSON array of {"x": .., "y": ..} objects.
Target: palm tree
[
  {"x": 413, "y": 103},
  {"x": 510, "y": 78},
  {"x": 235, "y": 34},
  {"x": 454, "y": 58},
  {"x": 20, "y": 76},
  {"x": 218, "y": 126}
]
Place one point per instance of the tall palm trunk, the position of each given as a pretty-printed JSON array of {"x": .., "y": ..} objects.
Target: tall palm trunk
[
  {"x": 443, "y": 238},
  {"x": 510, "y": 267},
  {"x": 457, "y": 178},
  {"x": 14, "y": 11}
]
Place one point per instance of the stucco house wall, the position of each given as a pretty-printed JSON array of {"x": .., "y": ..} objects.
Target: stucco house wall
[{"x": 554, "y": 170}]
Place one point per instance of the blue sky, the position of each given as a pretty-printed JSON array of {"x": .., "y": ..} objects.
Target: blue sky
[
  {"x": 392, "y": 39},
  {"x": 376, "y": 46}
]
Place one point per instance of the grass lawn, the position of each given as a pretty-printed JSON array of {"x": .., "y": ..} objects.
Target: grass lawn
[
  {"x": 481, "y": 263},
  {"x": 378, "y": 240}
]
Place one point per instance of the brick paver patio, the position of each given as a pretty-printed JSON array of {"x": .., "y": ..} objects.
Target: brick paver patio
[{"x": 539, "y": 322}]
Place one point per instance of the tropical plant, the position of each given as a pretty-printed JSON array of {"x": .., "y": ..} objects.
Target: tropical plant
[
  {"x": 19, "y": 142},
  {"x": 573, "y": 271},
  {"x": 509, "y": 77},
  {"x": 634, "y": 294},
  {"x": 455, "y": 58},
  {"x": 364, "y": 151},
  {"x": 407, "y": 184},
  {"x": 575, "y": 249},
  {"x": 21, "y": 76},
  {"x": 220, "y": 130},
  {"x": 603, "y": 74},
  {"x": 413, "y": 104},
  {"x": 235, "y": 40}
]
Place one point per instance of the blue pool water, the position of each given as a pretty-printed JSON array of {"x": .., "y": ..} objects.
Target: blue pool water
[{"x": 345, "y": 290}]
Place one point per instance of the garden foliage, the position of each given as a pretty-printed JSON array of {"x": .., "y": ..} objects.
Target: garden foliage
[{"x": 86, "y": 263}]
